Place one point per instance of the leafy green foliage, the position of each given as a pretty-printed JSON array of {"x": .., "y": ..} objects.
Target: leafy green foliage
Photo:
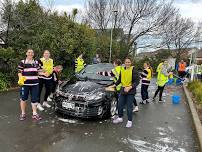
[
  {"x": 3, "y": 82},
  {"x": 30, "y": 26},
  {"x": 154, "y": 61},
  {"x": 195, "y": 87}
]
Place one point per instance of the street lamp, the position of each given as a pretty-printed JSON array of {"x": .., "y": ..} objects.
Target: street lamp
[{"x": 115, "y": 12}]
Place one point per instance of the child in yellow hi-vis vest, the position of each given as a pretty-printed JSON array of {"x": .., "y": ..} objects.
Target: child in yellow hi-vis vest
[
  {"x": 162, "y": 79},
  {"x": 45, "y": 79},
  {"x": 129, "y": 80},
  {"x": 146, "y": 77}
]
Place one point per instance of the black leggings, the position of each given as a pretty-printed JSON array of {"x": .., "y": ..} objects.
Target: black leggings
[
  {"x": 54, "y": 86},
  {"x": 160, "y": 89},
  {"x": 144, "y": 92},
  {"x": 135, "y": 102},
  {"x": 48, "y": 87}
]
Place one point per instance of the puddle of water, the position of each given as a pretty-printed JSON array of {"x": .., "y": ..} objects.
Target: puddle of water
[
  {"x": 68, "y": 120},
  {"x": 162, "y": 133},
  {"x": 168, "y": 140},
  {"x": 3, "y": 116},
  {"x": 144, "y": 146}
]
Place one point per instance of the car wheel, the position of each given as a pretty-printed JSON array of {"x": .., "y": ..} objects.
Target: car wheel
[{"x": 113, "y": 107}]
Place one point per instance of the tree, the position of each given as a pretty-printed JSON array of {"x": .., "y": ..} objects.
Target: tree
[
  {"x": 137, "y": 17},
  {"x": 31, "y": 26},
  {"x": 5, "y": 21},
  {"x": 179, "y": 34},
  {"x": 74, "y": 13}
]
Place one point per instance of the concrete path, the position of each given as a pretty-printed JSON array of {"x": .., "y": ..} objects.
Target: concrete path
[{"x": 158, "y": 127}]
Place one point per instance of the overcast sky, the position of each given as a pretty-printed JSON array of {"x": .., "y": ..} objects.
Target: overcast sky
[{"x": 188, "y": 8}]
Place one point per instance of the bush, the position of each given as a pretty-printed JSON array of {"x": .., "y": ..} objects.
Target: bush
[
  {"x": 195, "y": 87},
  {"x": 4, "y": 84}
]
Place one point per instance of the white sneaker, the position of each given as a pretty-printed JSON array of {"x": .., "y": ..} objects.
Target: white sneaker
[
  {"x": 129, "y": 124},
  {"x": 49, "y": 99},
  {"x": 114, "y": 117},
  {"x": 45, "y": 104},
  {"x": 51, "y": 95},
  {"x": 39, "y": 107},
  {"x": 136, "y": 109},
  {"x": 162, "y": 101},
  {"x": 118, "y": 120}
]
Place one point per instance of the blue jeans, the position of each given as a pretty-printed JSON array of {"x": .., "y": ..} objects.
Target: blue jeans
[
  {"x": 128, "y": 100},
  {"x": 32, "y": 90}
]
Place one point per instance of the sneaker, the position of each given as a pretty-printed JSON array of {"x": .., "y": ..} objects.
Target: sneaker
[
  {"x": 36, "y": 117},
  {"x": 114, "y": 117},
  {"x": 45, "y": 104},
  {"x": 147, "y": 101},
  {"x": 22, "y": 117},
  {"x": 129, "y": 124},
  {"x": 39, "y": 107},
  {"x": 142, "y": 102},
  {"x": 118, "y": 120},
  {"x": 136, "y": 109},
  {"x": 162, "y": 101},
  {"x": 51, "y": 95},
  {"x": 49, "y": 99}
]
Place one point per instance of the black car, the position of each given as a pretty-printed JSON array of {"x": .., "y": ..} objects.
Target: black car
[{"x": 84, "y": 94}]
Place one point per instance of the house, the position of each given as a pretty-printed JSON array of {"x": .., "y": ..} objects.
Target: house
[
  {"x": 196, "y": 56},
  {"x": 184, "y": 53}
]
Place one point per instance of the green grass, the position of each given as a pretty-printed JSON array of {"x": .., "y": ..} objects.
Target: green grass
[{"x": 195, "y": 87}]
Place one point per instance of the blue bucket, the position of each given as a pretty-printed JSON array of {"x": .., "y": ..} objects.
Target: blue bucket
[
  {"x": 170, "y": 82},
  {"x": 178, "y": 82},
  {"x": 176, "y": 99}
]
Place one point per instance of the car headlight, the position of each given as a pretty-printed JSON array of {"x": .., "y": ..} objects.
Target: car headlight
[{"x": 96, "y": 96}]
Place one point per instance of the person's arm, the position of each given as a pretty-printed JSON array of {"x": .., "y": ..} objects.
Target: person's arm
[
  {"x": 118, "y": 81},
  {"x": 106, "y": 73},
  {"x": 144, "y": 74},
  {"x": 165, "y": 71},
  {"x": 76, "y": 63},
  {"x": 20, "y": 68},
  {"x": 135, "y": 78},
  {"x": 40, "y": 67}
]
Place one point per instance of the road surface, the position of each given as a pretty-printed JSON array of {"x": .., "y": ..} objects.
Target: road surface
[{"x": 158, "y": 127}]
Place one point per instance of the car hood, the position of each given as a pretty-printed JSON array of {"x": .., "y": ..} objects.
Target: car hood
[{"x": 83, "y": 87}]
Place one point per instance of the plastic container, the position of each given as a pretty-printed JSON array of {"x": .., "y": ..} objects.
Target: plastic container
[
  {"x": 170, "y": 81},
  {"x": 176, "y": 99},
  {"x": 178, "y": 82}
]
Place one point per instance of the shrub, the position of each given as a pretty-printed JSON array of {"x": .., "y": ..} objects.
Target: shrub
[
  {"x": 3, "y": 82},
  {"x": 195, "y": 87}
]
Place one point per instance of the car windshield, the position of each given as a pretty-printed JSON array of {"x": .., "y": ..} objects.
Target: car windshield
[{"x": 89, "y": 72}]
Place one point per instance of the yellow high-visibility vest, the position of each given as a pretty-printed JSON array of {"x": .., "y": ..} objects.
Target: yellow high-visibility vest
[
  {"x": 79, "y": 64},
  {"x": 47, "y": 65},
  {"x": 126, "y": 76},
  {"x": 149, "y": 75},
  {"x": 161, "y": 78},
  {"x": 116, "y": 71}
]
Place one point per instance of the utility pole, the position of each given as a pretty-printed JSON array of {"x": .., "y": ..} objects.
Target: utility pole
[{"x": 115, "y": 12}]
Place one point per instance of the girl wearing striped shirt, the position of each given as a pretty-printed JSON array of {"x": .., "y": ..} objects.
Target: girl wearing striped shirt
[
  {"x": 29, "y": 69},
  {"x": 146, "y": 76}
]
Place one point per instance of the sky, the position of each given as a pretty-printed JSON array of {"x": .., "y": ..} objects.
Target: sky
[{"x": 188, "y": 8}]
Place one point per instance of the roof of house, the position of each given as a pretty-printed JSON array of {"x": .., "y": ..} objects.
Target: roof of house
[{"x": 199, "y": 54}]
